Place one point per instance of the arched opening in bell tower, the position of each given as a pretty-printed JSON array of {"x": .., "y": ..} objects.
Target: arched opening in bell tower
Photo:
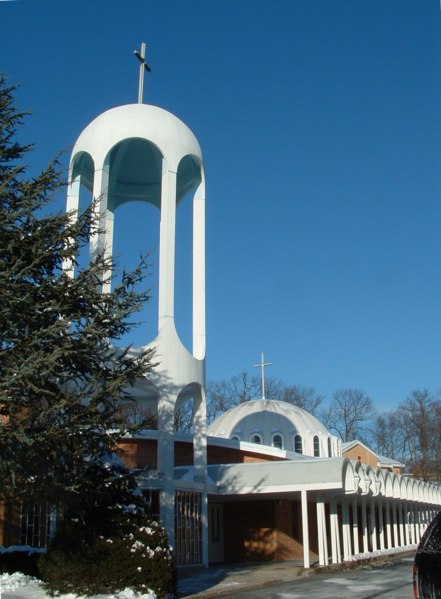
[
  {"x": 188, "y": 180},
  {"x": 134, "y": 168}
]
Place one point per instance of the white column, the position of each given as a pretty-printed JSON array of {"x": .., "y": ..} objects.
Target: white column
[
  {"x": 355, "y": 526},
  {"x": 320, "y": 531},
  {"x": 406, "y": 523},
  {"x": 373, "y": 526},
  {"x": 346, "y": 530},
  {"x": 335, "y": 541},
  {"x": 199, "y": 273},
  {"x": 421, "y": 519},
  {"x": 388, "y": 525},
  {"x": 416, "y": 523},
  {"x": 325, "y": 534},
  {"x": 394, "y": 508},
  {"x": 166, "y": 291},
  {"x": 381, "y": 523},
  {"x": 400, "y": 515},
  {"x": 200, "y": 461},
  {"x": 72, "y": 205},
  {"x": 166, "y": 452},
  {"x": 364, "y": 524},
  {"x": 305, "y": 528}
]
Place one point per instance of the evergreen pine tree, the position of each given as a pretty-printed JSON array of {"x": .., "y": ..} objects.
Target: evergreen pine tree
[{"x": 60, "y": 380}]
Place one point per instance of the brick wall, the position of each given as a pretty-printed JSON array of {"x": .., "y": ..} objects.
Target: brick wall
[{"x": 143, "y": 452}]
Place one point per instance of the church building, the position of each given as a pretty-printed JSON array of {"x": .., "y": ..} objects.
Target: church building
[{"x": 266, "y": 481}]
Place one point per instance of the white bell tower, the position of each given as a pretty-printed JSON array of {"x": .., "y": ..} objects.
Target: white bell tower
[{"x": 143, "y": 153}]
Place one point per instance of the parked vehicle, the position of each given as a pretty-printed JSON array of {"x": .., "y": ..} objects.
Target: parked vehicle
[{"x": 427, "y": 565}]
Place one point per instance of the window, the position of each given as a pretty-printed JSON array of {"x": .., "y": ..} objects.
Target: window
[
  {"x": 256, "y": 439},
  {"x": 329, "y": 447},
  {"x": 235, "y": 437},
  {"x": 188, "y": 528},
  {"x": 298, "y": 445},
  {"x": 316, "y": 447},
  {"x": 278, "y": 441}
]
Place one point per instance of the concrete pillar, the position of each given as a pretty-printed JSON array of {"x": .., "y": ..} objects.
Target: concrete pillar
[
  {"x": 373, "y": 526},
  {"x": 320, "y": 531},
  {"x": 200, "y": 460},
  {"x": 401, "y": 520},
  {"x": 406, "y": 524},
  {"x": 166, "y": 452},
  {"x": 346, "y": 530},
  {"x": 166, "y": 287},
  {"x": 335, "y": 536},
  {"x": 388, "y": 525},
  {"x": 416, "y": 523},
  {"x": 381, "y": 523},
  {"x": 305, "y": 528},
  {"x": 394, "y": 514},
  {"x": 355, "y": 526},
  {"x": 365, "y": 526}
]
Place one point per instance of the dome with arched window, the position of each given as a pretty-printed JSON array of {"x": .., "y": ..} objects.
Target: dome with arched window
[{"x": 277, "y": 424}]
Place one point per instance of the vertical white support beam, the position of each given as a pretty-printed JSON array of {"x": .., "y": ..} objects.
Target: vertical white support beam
[
  {"x": 321, "y": 538},
  {"x": 205, "y": 528},
  {"x": 381, "y": 522},
  {"x": 388, "y": 525},
  {"x": 166, "y": 285},
  {"x": 166, "y": 453},
  {"x": 72, "y": 205},
  {"x": 305, "y": 529},
  {"x": 401, "y": 522},
  {"x": 394, "y": 513},
  {"x": 100, "y": 190},
  {"x": 200, "y": 460},
  {"x": 416, "y": 524},
  {"x": 346, "y": 530},
  {"x": 406, "y": 523},
  {"x": 355, "y": 526},
  {"x": 199, "y": 273},
  {"x": 325, "y": 535},
  {"x": 365, "y": 526},
  {"x": 334, "y": 531},
  {"x": 373, "y": 526}
]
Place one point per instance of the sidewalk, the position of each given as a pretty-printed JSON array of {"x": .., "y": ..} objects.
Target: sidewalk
[{"x": 201, "y": 583}]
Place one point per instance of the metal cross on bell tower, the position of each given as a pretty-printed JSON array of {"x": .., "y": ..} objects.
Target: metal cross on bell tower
[
  {"x": 262, "y": 366},
  {"x": 143, "y": 65}
]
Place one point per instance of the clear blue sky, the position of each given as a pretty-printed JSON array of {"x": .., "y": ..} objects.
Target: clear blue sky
[{"x": 320, "y": 124}]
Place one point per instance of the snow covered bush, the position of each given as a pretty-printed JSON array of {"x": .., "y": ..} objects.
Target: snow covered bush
[{"x": 112, "y": 545}]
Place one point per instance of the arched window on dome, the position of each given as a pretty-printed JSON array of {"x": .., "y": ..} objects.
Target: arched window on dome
[
  {"x": 256, "y": 439},
  {"x": 298, "y": 444},
  {"x": 316, "y": 447},
  {"x": 235, "y": 437},
  {"x": 329, "y": 447},
  {"x": 278, "y": 441}
]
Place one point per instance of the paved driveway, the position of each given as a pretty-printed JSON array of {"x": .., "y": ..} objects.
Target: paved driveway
[{"x": 387, "y": 580}]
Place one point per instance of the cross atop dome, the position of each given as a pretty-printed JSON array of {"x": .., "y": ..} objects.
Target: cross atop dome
[
  {"x": 262, "y": 366},
  {"x": 143, "y": 65}
]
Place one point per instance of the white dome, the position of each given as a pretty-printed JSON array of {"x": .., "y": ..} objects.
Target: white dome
[
  {"x": 172, "y": 137},
  {"x": 273, "y": 423}
]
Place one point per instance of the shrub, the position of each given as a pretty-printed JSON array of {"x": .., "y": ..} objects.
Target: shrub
[{"x": 110, "y": 546}]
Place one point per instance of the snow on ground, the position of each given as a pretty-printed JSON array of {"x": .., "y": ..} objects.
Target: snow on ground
[
  {"x": 380, "y": 552},
  {"x": 20, "y": 586}
]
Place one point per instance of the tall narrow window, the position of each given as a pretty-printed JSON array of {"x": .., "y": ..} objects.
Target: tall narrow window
[
  {"x": 278, "y": 441},
  {"x": 298, "y": 445},
  {"x": 316, "y": 447},
  {"x": 329, "y": 447}
]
